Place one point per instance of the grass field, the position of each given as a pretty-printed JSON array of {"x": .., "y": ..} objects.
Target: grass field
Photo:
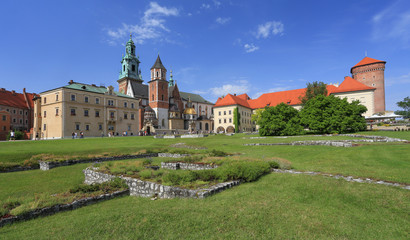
[{"x": 276, "y": 206}]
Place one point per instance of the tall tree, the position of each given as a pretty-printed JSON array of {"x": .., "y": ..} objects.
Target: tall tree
[
  {"x": 333, "y": 115},
  {"x": 236, "y": 119},
  {"x": 312, "y": 90},
  {"x": 281, "y": 120},
  {"x": 405, "y": 105}
]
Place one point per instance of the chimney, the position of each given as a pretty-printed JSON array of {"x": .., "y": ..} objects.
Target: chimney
[
  {"x": 24, "y": 90},
  {"x": 13, "y": 92},
  {"x": 93, "y": 85},
  {"x": 71, "y": 82},
  {"x": 234, "y": 94}
]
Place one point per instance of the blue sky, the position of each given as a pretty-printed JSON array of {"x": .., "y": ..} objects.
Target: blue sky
[{"x": 214, "y": 47}]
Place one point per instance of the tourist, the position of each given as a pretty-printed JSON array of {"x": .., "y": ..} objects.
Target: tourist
[
  {"x": 73, "y": 135},
  {"x": 81, "y": 135},
  {"x": 12, "y": 136}
]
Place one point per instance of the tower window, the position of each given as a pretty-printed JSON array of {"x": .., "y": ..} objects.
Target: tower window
[
  {"x": 123, "y": 68},
  {"x": 133, "y": 68},
  {"x": 162, "y": 97},
  {"x": 45, "y": 100},
  {"x": 157, "y": 73},
  {"x": 152, "y": 97},
  {"x": 132, "y": 50},
  {"x": 86, "y": 99}
]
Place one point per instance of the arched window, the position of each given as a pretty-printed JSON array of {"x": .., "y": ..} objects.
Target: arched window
[
  {"x": 152, "y": 97},
  {"x": 124, "y": 68},
  {"x": 157, "y": 73},
  {"x": 162, "y": 97}
]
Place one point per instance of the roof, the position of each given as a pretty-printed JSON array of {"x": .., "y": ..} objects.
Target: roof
[
  {"x": 351, "y": 85},
  {"x": 194, "y": 97},
  {"x": 367, "y": 61},
  {"x": 232, "y": 100},
  {"x": 158, "y": 64},
  {"x": 19, "y": 100},
  {"x": 90, "y": 88},
  {"x": 139, "y": 89},
  {"x": 290, "y": 97}
]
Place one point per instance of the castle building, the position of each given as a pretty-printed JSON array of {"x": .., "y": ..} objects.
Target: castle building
[
  {"x": 93, "y": 110},
  {"x": 163, "y": 105},
  {"x": 18, "y": 111},
  {"x": 367, "y": 86}
]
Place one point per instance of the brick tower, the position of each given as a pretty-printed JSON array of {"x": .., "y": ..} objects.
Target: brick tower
[
  {"x": 370, "y": 72},
  {"x": 130, "y": 71},
  {"x": 158, "y": 93}
]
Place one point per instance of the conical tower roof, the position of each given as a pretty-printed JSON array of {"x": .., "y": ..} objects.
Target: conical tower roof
[{"x": 158, "y": 64}]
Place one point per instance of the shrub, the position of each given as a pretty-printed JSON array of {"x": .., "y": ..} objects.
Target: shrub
[
  {"x": 18, "y": 135},
  {"x": 147, "y": 161},
  {"x": 145, "y": 174},
  {"x": 178, "y": 177}
]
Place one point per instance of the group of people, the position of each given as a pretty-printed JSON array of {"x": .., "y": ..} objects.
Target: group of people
[{"x": 75, "y": 135}]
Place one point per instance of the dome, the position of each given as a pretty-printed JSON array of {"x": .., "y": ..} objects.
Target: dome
[{"x": 190, "y": 111}]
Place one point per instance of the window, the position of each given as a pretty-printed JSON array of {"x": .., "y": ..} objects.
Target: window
[
  {"x": 4, "y": 128},
  {"x": 56, "y": 97},
  {"x": 44, "y": 127},
  {"x": 224, "y": 112},
  {"x": 97, "y": 113},
  {"x": 162, "y": 97},
  {"x": 45, "y": 114},
  {"x": 230, "y": 120},
  {"x": 125, "y": 116},
  {"x": 97, "y": 101},
  {"x": 133, "y": 68},
  {"x": 14, "y": 111},
  {"x": 132, "y": 105},
  {"x": 21, "y": 112},
  {"x": 4, "y": 118},
  {"x": 26, "y": 113},
  {"x": 111, "y": 114},
  {"x": 152, "y": 97},
  {"x": 220, "y": 121},
  {"x": 110, "y": 102},
  {"x": 26, "y": 121},
  {"x": 77, "y": 126},
  {"x": 86, "y": 99},
  {"x": 219, "y": 113},
  {"x": 99, "y": 126},
  {"x": 56, "y": 111},
  {"x": 72, "y": 97},
  {"x": 230, "y": 112},
  {"x": 72, "y": 112},
  {"x": 87, "y": 127},
  {"x": 125, "y": 104},
  {"x": 14, "y": 120},
  {"x": 21, "y": 121},
  {"x": 157, "y": 73},
  {"x": 45, "y": 100},
  {"x": 123, "y": 68},
  {"x": 224, "y": 120},
  {"x": 132, "y": 116},
  {"x": 86, "y": 113},
  {"x": 129, "y": 127}
]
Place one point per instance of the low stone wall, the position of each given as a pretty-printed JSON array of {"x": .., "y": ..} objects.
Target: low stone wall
[
  {"x": 193, "y": 136},
  {"x": 186, "y": 166},
  {"x": 173, "y": 155},
  {"x": 62, "y": 207},
  {"x": 19, "y": 169},
  {"x": 49, "y": 165},
  {"x": 306, "y": 143},
  {"x": 150, "y": 189}
]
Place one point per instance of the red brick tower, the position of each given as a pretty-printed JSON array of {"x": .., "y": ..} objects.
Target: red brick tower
[
  {"x": 370, "y": 72},
  {"x": 158, "y": 93}
]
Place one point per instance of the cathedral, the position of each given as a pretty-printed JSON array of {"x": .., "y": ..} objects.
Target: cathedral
[{"x": 163, "y": 108}]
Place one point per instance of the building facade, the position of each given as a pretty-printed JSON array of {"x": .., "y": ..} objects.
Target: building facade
[
  {"x": 366, "y": 85},
  {"x": 79, "y": 108}
]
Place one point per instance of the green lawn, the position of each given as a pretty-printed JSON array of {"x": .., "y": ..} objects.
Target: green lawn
[{"x": 276, "y": 206}]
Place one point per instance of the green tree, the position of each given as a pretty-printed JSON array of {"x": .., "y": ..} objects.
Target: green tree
[
  {"x": 312, "y": 90},
  {"x": 18, "y": 135},
  {"x": 281, "y": 120},
  {"x": 405, "y": 105},
  {"x": 333, "y": 115},
  {"x": 257, "y": 115},
  {"x": 236, "y": 119}
]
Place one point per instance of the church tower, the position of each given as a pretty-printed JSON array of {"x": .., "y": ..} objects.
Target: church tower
[
  {"x": 130, "y": 70},
  {"x": 158, "y": 93},
  {"x": 370, "y": 72}
]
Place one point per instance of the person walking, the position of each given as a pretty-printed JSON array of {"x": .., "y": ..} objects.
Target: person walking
[
  {"x": 12, "y": 136},
  {"x": 73, "y": 135}
]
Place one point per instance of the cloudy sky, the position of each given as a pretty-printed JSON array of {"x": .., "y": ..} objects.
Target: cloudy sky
[{"x": 214, "y": 47}]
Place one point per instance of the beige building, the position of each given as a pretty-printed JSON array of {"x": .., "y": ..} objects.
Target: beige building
[{"x": 82, "y": 108}]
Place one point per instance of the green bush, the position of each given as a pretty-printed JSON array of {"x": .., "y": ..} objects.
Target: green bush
[
  {"x": 178, "y": 177},
  {"x": 217, "y": 153},
  {"x": 147, "y": 161},
  {"x": 206, "y": 175},
  {"x": 145, "y": 174},
  {"x": 17, "y": 134}
]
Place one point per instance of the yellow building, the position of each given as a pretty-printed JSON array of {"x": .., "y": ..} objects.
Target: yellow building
[{"x": 88, "y": 109}]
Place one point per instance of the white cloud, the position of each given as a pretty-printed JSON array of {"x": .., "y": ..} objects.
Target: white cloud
[
  {"x": 217, "y": 3},
  {"x": 268, "y": 28},
  {"x": 151, "y": 26},
  {"x": 403, "y": 79},
  {"x": 250, "y": 47},
  {"x": 238, "y": 87},
  {"x": 222, "y": 20},
  {"x": 205, "y": 6},
  {"x": 393, "y": 23}
]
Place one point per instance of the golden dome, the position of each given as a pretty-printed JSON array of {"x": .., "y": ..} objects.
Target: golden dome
[{"x": 190, "y": 111}]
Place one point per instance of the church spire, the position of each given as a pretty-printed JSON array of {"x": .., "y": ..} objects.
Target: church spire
[{"x": 130, "y": 63}]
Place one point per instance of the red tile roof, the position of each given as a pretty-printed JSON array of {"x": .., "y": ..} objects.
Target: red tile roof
[
  {"x": 18, "y": 100},
  {"x": 290, "y": 97},
  {"x": 367, "y": 61},
  {"x": 351, "y": 85}
]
